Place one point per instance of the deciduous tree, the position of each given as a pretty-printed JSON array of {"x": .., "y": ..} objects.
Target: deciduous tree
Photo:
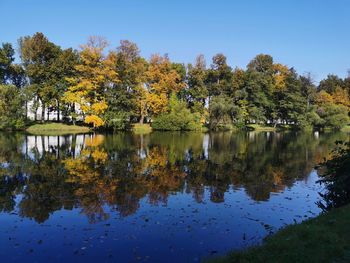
[
  {"x": 161, "y": 81},
  {"x": 95, "y": 74}
]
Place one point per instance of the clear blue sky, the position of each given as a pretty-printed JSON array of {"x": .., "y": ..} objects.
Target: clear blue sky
[{"x": 311, "y": 35}]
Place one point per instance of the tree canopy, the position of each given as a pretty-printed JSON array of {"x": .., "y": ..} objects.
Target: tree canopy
[{"x": 108, "y": 87}]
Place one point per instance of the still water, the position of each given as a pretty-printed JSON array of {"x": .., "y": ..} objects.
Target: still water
[{"x": 162, "y": 197}]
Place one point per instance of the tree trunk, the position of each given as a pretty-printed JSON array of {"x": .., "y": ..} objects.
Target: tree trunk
[
  {"x": 141, "y": 111},
  {"x": 26, "y": 105},
  {"x": 141, "y": 119},
  {"x": 58, "y": 110},
  {"x": 36, "y": 111},
  {"x": 42, "y": 112},
  {"x": 73, "y": 111}
]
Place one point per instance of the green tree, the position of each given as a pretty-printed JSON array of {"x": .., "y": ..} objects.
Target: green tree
[
  {"x": 62, "y": 68},
  {"x": 10, "y": 73},
  {"x": 308, "y": 89},
  {"x": 332, "y": 110},
  {"x": 178, "y": 117},
  {"x": 11, "y": 108},
  {"x": 122, "y": 96},
  {"x": 38, "y": 56},
  {"x": 6, "y": 59},
  {"x": 197, "y": 92},
  {"x": 221, "y": 110},
  {"x": 331, "y": 83},
  {"x": 17, "y": 76},
  {"x": 260, "y": 85},
  {"x": 290, "y": 102},
  {"x": 219, "y": 77},
  {"x": 333, "y": 116}
]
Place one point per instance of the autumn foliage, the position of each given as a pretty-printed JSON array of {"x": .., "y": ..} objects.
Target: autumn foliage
[{"x": 112, "y": 88}]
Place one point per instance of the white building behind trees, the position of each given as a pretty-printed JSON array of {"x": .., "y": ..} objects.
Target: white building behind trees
[{"x": 35, "y": 112}]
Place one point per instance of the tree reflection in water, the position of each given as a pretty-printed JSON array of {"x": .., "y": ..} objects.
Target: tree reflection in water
[{"x": 43, "y": 174}]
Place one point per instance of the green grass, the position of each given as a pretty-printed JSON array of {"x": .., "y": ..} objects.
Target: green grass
[
  {"x": 325, "y": 238},
  {"x": 141, "y": 128},
  {"x": 258, "y": 127},
  {"x": 346, "y": 129},
  {"x": 56, "y": 129}
]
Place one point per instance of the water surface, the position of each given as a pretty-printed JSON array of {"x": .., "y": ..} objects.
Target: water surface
[{"x": 163, "y": 197}]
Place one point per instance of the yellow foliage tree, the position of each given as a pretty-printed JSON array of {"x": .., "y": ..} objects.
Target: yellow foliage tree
[
  {"x": 161, "y": 81},
  {"x": 280, "y": 74},
  {"x": 341, "y": 96},
  {"x": 323, "y": 98},
  {"x": 95, "y": 74}
]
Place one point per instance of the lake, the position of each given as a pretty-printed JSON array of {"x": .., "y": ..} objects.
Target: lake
[{"x": 161, "y": 197}]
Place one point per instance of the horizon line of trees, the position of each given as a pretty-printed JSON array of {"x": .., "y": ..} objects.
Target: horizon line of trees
[{"x": 117, "y": 88}]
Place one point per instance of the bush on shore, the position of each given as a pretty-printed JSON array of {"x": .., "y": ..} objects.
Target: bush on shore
[{"x": 179, "y": 118}]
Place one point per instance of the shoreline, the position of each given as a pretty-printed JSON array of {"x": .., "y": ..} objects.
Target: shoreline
[{"x": 321, "y": 239}]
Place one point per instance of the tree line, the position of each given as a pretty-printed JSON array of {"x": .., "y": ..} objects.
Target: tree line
[{"x": 116, "y": 88}]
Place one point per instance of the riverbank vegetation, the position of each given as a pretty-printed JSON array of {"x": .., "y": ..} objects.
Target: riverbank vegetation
[
  {"x": 335, "y": 174},
  {"x": 116, "y": 88}
]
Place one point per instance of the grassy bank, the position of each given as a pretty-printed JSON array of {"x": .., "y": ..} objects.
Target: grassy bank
[
  {"x": 325, "y": 238},
  {"x": 258, "y": 127},
  {"x": 141, "y": 128},
  {"x": 56, "y": 129},
  {"x": 346, "y": 129}
]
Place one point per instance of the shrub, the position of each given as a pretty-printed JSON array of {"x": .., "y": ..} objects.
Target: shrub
[
  {"x": 179, "y": 118},
  {"x": 334, "y": 116},
  {"x": 117, "y": 120},
  {"x": 309, "y": 120}
]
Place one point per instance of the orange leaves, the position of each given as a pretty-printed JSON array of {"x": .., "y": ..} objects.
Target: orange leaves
[
  {"x": 162, "y": 77},
  {"x": 94, "y": 74},
  {"x": 162, "y": 80},
  {"x": 99, "y": 107},
  {"x": 323, "y": 97},
  {"x": 94, "y": 120},
  {"x": 98, "y": 73},
  {"x": 341, "y": 96},
  {"x": 157, "y": 103},
  {"x": 280, "y": 74}
]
